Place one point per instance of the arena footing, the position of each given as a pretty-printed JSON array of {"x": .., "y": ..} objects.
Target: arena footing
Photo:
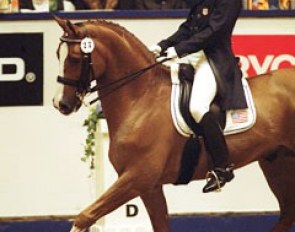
[
  {"x": 179, "y": 223},
  {"x": 224, "y": 223}
]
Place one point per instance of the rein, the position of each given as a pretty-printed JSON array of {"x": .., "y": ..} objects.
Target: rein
[
  {"x": 83, "y": 84},
  {"x": 123, "y": 80}
]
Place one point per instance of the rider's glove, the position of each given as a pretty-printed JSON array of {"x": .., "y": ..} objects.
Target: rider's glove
[
  {"x": 156, "y": 49},
  {"x": 171, "y": 53}
]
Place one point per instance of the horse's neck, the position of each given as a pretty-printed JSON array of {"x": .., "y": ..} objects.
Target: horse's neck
[
  {"x": 127, "y": 106},
  {"x": 126, "y": 59}
]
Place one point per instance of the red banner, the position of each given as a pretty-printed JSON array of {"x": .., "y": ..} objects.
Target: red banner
[{"x": 263, "y": 53}]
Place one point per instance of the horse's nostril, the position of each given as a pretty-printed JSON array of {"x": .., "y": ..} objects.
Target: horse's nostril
[{"x": 65, "y": 108}]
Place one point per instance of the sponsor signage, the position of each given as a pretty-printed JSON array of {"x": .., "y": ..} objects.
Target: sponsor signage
[
  {"x": 21, "y": 69},
  {"x": 262, "y": 53}
]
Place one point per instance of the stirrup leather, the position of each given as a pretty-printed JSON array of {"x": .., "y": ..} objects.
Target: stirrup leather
[{"x": 212, "y": 174}]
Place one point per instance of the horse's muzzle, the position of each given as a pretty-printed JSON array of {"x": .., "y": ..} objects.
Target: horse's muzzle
[{"x": 67, "y": 108}]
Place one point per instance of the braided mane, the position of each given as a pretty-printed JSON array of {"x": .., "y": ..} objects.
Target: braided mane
[
  {"x": 131, "y": 39},
  {"x": 120, "y": 30}
]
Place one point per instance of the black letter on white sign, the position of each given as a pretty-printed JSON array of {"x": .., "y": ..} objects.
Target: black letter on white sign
[{"x": 131, "y": 210}]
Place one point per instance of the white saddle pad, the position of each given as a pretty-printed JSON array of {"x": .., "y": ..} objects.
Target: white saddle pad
[{"x": 237, "y": 121}]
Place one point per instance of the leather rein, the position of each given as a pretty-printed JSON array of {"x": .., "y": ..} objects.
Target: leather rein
[{"x": 83, "y": 84}]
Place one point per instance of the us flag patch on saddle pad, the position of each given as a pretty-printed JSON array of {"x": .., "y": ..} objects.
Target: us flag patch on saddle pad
[{"x": 239, "y": 116}]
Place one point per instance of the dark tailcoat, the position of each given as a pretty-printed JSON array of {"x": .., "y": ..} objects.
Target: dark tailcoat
[{"x": 209, "y": 27}]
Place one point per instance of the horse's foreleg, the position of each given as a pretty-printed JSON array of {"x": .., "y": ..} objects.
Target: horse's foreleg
[
  {"x": 119, "y": 193},
  {"x": 156, "y": 206},
  {"x": 279, "y": 171}
]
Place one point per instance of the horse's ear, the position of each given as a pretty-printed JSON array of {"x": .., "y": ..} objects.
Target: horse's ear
[
  {"x": 61, "y": 22},
  {"x": 67, "y": 26}
]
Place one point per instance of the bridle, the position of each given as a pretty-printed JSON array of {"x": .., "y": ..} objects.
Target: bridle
[{"x": 83, "y": 84}]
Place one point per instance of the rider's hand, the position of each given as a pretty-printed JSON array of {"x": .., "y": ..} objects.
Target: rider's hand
[
  {"x": 171, "y": 53},
  {"x": 156, "y": 49}
]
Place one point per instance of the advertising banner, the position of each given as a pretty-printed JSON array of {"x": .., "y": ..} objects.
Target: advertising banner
[
  {"x": 21, "y": 69},
  {"x": 262, "y": 53}
]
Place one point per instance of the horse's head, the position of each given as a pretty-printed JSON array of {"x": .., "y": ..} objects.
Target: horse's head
[
  {"x": 104, "y": 52},
  {"x": 77, "y": 53}
]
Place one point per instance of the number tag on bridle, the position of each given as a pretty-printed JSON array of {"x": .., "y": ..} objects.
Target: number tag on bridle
[{"x": 87, "y": 45}]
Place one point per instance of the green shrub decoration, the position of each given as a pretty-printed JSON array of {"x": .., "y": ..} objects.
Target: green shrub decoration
[{"x": 89, "y": 148}]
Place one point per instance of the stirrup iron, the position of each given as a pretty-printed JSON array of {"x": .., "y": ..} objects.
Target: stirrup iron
[{"x": 213, "y": 174}]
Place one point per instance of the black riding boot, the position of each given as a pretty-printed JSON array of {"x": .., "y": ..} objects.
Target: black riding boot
[{"x": 216, "y": 146}]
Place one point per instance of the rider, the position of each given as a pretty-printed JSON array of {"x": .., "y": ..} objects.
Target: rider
[{"x": 207, "y": 32}]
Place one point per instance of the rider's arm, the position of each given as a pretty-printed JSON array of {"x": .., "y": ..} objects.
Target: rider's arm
[
  {"x": 183, "y": 33},
  {"x": 222, "y": 16}
]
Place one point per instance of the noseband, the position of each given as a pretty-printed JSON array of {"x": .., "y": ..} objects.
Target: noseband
[{"x": 83, "y": 85}]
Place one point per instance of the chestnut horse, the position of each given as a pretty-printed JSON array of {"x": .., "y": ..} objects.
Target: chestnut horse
[{"x": 145, "y": 148}]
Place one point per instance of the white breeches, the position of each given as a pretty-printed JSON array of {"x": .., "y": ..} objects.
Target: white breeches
[{"x": 204, "y": 87}]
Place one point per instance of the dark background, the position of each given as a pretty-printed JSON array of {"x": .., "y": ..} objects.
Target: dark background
[{"x": 29, "y": 47}]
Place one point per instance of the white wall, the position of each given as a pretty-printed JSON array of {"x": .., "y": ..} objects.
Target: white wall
[{"x": 40, "y": 168}]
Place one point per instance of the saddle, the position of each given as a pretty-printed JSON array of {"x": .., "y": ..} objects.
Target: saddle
[
  {"x": 186, "y": 77},
  {"x": 232, "y": 121}
]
